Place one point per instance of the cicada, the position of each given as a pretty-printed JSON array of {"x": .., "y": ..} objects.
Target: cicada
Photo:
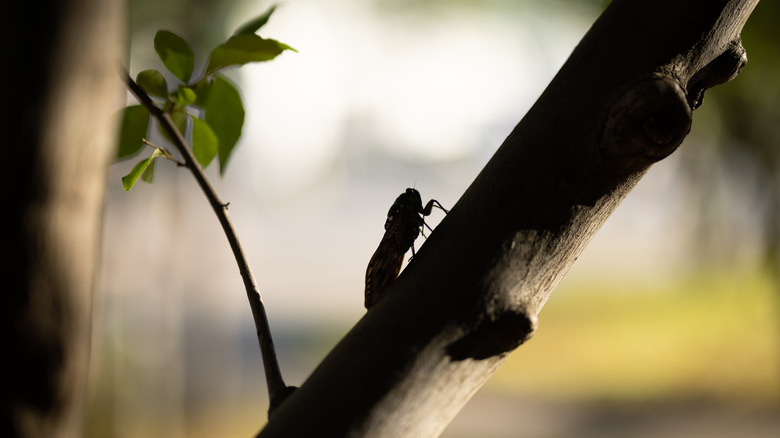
[{"x": 405, "y": 221}]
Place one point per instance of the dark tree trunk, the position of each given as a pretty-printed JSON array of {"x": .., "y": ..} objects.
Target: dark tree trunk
[
  {"x": 61, "y": 89},
  {"x": 621, "y": 102}
]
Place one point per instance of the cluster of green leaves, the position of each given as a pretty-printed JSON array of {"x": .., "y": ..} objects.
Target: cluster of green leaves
[{"x": 206, "y": 110}]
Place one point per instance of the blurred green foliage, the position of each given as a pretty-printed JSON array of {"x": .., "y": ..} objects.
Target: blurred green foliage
[{"x": 748, "y": 108}]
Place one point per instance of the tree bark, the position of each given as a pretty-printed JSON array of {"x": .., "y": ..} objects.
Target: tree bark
[
  {"x": 621, "y": 102},
  {"x": 62, "y": 92}
]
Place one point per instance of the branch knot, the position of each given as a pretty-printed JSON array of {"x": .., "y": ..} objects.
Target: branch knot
[{"x": 647, "y": 121}]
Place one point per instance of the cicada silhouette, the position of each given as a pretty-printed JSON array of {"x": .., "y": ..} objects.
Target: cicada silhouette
[{"x": 405, "y": 221}]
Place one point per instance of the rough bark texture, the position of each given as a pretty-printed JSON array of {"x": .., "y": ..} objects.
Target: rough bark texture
[
  {"x": 61, "y": 95},
  {"x": 621, "y": 102}
]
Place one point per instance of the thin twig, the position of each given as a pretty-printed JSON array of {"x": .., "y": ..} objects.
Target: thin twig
[
  {"x": 164, "y": 151},
  {"x": 277, "y": 389}
]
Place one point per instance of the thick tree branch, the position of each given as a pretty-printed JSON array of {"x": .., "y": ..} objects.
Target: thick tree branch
[
  {"x": 622, "y": 101},
  {"x": 277, "y": 389}
]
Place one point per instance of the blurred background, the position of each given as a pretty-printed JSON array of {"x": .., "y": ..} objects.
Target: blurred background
[{"x": 667, "y": 326}]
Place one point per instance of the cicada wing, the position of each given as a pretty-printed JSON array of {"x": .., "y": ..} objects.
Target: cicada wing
[{"x": 382, "y": 270}]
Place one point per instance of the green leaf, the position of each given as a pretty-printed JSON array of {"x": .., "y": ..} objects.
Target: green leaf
[
  {"x": 129, "y": 180},
  {"x": 133, "y": 128},
  {"x": 180, "y": 120},
  {"x": 175, "y": 54},
  {"x": 204, "y": 142},
  {"x": 153, "y": 82},
  {"x": 224, "y": 112},
  {"x": 184, "y": 96},
  {"x": 148, "y": 175},
  {"x": 255, "y": 24},
  {"x": 242, "y": 49},
  {"x": 201, "y": 89}
]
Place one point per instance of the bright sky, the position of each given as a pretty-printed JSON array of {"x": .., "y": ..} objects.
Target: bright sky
[{"x": 375, "y": 84}]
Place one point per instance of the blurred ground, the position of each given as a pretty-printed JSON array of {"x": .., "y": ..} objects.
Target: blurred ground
[
  {"x": 693, "y": 358},
  {"x": 503, "y": 416},
  {"x": 697, "y": 359},
  {"x": 710, "y": 336}
]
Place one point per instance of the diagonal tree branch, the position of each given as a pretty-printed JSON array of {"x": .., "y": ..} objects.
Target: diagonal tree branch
[
  {"x": 471, "y": 295},
  {"x": 277, "y": 389}
]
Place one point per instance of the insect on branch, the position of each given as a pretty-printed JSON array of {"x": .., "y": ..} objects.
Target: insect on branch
[{"x": 405, "y": 221}]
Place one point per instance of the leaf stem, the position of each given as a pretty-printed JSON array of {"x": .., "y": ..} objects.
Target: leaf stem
[
  {"x": 277, "y": 389},
  {"x": 164, "y": 152}
]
